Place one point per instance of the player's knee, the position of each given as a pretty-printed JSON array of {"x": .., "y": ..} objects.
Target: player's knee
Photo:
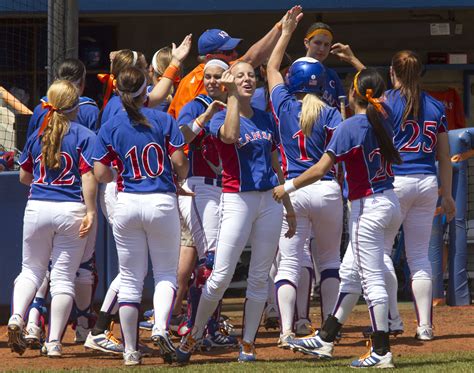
[
  {"x": 330, "y": 273},
  {"x": 85, "y": 277},
  {"x": 257, "y": 287},
  {"x": 422, "y": 274},
  {"x": 61, "y": 286},
  {"x": 115, "y": 284},
  {"x": 217, "y": 284},
  {"x": 35, "y": 275},
  {"x": 130, "y": 294}
]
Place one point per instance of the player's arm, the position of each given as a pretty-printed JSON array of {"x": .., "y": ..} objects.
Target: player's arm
[
  {"x": 260, "y": 51},
  {"x": 344, "y": 52},
  {"x": 26, "y": 177},
  {"x": 288, "y": 23},
  {"x": 290, "y": 212},
  {"x": 310, "y": 176},
  {"x": 180, "y": 163},
  {"x": 194, "y": 128},
  {"x": 229, "y": 132},
  {"x": 13, "y": 102},
  {"x": 163, "y": 87},
  {"x": 103, "y": 173},
  {"x": 448, "y": 205},
  {"x": 89, "y": 191}
]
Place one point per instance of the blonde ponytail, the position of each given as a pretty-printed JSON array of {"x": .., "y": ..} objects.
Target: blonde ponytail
[
  {"x": 63, "y": 97},
  {"x": 311, "y": 108}
]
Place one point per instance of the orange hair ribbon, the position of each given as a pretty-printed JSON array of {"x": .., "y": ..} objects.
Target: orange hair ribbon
[
  {"x": 51, "y": 108},
  {"x": 369, "y": 96},
  {"x": 108, "y": 79}
]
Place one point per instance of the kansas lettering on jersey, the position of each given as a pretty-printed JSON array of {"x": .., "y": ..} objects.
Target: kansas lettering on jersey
[
  {"x": 247, "y": 164},
  {"x": 354, "y": 143},
  {"x": 416, "y": 139},
  {"x": 141, "y": 154},
  {"x": 298, "y": 151},
  {"x": 333, "y": 88},
  {"x": 202, "y": 154},
  {"x": 63, "y": 184},
  {"x": 86, "y": 115}
]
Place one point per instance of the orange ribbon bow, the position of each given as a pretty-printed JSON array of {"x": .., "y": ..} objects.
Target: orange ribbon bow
[
  {"x": 369, "y": 96},
  {"x": 108, "y": 79},
  {"x": 51, "y": 108}
]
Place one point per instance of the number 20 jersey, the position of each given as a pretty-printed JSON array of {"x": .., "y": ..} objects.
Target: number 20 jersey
[
  {"x": 416, "y": 139},
  {"x": 142, "y": 154}
]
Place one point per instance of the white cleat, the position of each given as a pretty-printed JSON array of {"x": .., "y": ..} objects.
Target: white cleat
[
  {"x": 424, "y": 333},
  {"x": 373, "y": 360},
  {"x": 132, "y": 358}
]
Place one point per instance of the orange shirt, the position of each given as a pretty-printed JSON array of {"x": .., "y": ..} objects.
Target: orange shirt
[
  {"x": 189, "y": 87},
  {"x": 453, "y": 106}
]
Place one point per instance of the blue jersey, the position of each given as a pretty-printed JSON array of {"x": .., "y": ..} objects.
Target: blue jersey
[
  {"x": 114, "y": 107},
  {"x": 333, "y": 88},
  {"x": 141, "y": 153},
  {"x": 355, "y": 144},
  {"x": 298, "y": 151},
  {"x": 202, "y": 154},
  {"x": 247, "y": 164},
  {"x": 63, "y": 184},
  {"x": 260, "y": 99},
  {"x": 86, "y": 115},
  {"x": 163, "y": 106},
  {"x": 416, "y": 139}
]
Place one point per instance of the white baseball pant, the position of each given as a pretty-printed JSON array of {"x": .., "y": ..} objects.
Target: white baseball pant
[
  {"x": 143, "y": 223},
  {"x": 201, "y": 212}
]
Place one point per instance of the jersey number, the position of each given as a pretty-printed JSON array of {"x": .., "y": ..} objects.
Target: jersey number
[
  {"x": 384, "y": 169},
  {"x": 302, "y": 145},
  {"x": 64, "y": 178},
  {"x": 148, "y": 150},
  {"x": 414, "y": 145}
]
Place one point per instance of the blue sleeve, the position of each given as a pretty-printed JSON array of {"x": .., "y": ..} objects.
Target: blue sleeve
[
  {"x": 217, "y": 122},
  {"x": 88, "y": 114},
  {"x": 189, "y": 112},
  {"x": 281, "y": 99},
  {"x": 276, "y": 132},
  {"x": 101, "y": 150},
  {"x": 341, "y": 142},
  {"x": 334, "y": 119},
  {"x": 87, "y": 145},
  {"x": 176, "y": 138},
  {"x": 34, "y": 122},
  {"x": 25, "y": 154}
]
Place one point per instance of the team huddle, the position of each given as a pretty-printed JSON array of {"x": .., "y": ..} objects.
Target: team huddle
[{"x": 189, "y": 170}]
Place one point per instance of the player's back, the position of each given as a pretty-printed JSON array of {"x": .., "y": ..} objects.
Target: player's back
[
  {"x": 142, "y": 152},
  {"x": 64, "y": 183},
  {"x": 416, "y": 139}
]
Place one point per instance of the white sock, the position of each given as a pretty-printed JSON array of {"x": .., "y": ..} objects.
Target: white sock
[
  {"x": 61, "y": 305},
  {"x": 129, "y": 324},
  {"x": 422, "y": 295},
  {"x": 345, "y": 304},
  {"x": 379, "y": 317},
  {"x": 252, "y": 316},
  {"x": 286, "y": 297},
  {"x": 23, "y": 294},
  {"x": 163, "y": 300},
  {"x": 110, "y": 303},
  {"x": 303, "y": 292},
  {"x": 271, "y": 285},
  {"x": 391, "y": 284},
  {"x": 83, "y": 301},
  {"x": 205, "y": 309},
  {"x": 329, "y": 289}
]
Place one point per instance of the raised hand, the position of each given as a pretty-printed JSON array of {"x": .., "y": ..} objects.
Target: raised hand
[
  {"x": 180, "y": 53},
  {"x": 290, "y": 20},
  {"x": 228, "y": 82}
]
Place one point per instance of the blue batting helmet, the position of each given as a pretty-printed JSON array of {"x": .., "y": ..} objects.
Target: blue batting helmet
[{"x": 306, "y": 75}]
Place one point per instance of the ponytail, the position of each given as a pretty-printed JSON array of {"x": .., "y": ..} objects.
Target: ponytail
[
  {"x": 311, "y": 109},
  {"x": 407, "y": 67},
  {"x": 369, "y": 86},
  {"x": 131, "y": 84},
  {"x": 63, "y": 98}
]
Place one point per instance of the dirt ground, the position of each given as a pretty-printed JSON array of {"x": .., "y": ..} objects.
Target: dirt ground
[{"x": 454, "y": 331}]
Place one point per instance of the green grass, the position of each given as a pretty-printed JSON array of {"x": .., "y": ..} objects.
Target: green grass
[{"x": 447, "y": 362}]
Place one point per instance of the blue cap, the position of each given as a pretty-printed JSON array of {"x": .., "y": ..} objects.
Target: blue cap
[{"x": 214, "y": 40}]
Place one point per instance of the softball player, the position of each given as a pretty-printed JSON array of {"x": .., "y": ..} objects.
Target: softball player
[
  {"x": 101, "y": 338},
  {"x": 421, "y": 137},
  {"x": 74, "y": 71},
  {"x": 364, "y": 143},
  {"x": 60, "y": 212},
  {"x": 246, "y": 139},
  {"x": 145, "y": 144},
  {"x": 306, "y": 125},
  {"x": 201, "y": 212}
]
